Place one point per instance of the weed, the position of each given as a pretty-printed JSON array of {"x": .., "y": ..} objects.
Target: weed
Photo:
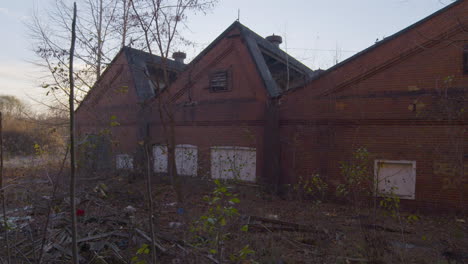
[
  {"x": 311, "y": 187},
  {"x": 212, "y": 230}
]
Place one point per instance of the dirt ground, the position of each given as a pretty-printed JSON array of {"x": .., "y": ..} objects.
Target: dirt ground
[{"x": 113, "y": 223}]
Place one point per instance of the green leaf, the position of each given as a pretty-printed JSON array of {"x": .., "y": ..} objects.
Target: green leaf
[
  {"x": 245, "y": 228},
  {"x": 114, "y": 123},
  {"x": 245, "y": 251},
  {"x": 142, "y": 249},
  {"x": 222, "y": 221},
  {"x": 235, "y": 200},
  {"x": 232, "y": 211}
]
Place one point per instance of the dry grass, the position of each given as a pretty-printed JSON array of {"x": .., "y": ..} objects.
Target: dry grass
[{"x": 336, "y": 233}]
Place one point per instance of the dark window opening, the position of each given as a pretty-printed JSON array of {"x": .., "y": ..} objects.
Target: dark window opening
[
  {"x": 219, "y": 81},
  {"x": 286, "y": 76},
  {"x": 157, "y": 79}
]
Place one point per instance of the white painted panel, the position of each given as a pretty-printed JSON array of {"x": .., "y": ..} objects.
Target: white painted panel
[
  {"x": 160, "y": 158},
  {"x": 246, "y": 163},
  {"x": 186, "y": 160},
  {"x": 398, "y": 177},
  {"x": 124, "y": 161},
  {"x": 222, "y": 163},
  {"x": 233, "y": 163}
]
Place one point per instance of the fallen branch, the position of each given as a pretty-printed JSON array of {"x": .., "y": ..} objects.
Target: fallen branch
[
  {"x": 276, "y": 225},
  {"x": 186, "y": 250},
  {"x": 94, "y": 237},
  {"x": 386, "y": 229},
  {"x": 353, "y": 259},
  {"x": 145, "y": 236},
  {"x": 67, "y": 252}
]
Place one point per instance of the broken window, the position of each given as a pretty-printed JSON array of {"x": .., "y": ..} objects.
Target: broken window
[
  {"x": 396, "y": 177},
  {"x": 219, "y": 81},
  {"x": 156, "y": 77},
  {"x": 285, "y": 74}
]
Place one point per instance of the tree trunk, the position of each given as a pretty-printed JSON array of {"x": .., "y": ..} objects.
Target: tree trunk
[
  {"x": 99, "y": 44},
  {"x": 125, "y": 22},
  {"x": 72, "y": 143},
  {"x": 150, "y": 202},
  {"x": 5, "y": 222},
  {"x": 172, "y": 168}
]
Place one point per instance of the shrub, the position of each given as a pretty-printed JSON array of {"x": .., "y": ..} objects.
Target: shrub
[{"x": 312, "y": 187}]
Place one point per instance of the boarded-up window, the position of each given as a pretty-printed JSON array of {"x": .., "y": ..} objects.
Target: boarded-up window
[
  {"x": 160, "y": 158},
  {"x": 233, "y": 163},
  {"x": 124, "y": 162},
  {"x": 219, "y": 81},
  {"x": 397, "y": 177},
  {"x": 186, "y": 160}
]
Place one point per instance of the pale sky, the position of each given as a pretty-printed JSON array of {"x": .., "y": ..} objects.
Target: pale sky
[{"x": 312, "y": 29}]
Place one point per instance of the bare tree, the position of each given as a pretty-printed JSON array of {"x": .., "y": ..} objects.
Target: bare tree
[
  {"x": 160, "y": 21},
  {"x": 102, "y": 28},
  {"x": 2, "y": 193},
  {"x": 72, "y": 141},
  {"x": 11, "y": 106}
]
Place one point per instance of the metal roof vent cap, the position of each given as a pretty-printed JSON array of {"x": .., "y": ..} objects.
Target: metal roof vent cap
[
  {"x": 179, "y": 56},
  {"x": 275, "y": 40}
]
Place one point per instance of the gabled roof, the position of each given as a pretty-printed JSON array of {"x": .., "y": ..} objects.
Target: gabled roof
[
  {"x": 394, "y": 36},
  {"x": 259, "y": 48},
  {"x": 386, "y": 40},
  {"x": 140, "y": 62}
]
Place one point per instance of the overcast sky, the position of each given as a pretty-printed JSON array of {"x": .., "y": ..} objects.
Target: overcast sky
[{"x": 317, "y": 32}]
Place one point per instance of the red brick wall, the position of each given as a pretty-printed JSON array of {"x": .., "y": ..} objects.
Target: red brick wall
[
  {"x": 114, "y": 95},
  {"x": 207, "y": 119},
  {"x": 368, "y": 102}
]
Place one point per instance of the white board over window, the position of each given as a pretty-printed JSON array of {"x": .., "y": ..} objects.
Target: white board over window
[
  {"x": 124, "y": 162},
  {"x": 233, "y": 163},
  {"x": 397, "y": 177},
  {"x": 160, "y": 158},
  {"x": 186, "y": 160}
]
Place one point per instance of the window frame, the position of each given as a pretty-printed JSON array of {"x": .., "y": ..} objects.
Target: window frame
[
  {"x": 228, "y": 80},
  {"x": 377, "y": 191}
]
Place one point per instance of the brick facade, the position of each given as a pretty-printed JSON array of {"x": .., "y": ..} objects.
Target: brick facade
[
  {"x": 391, "y": 99},
  {"x": 401, "y": 99}
]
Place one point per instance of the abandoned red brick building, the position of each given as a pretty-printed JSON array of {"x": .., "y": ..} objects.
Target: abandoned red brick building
[{"x": 245, "y": 109}]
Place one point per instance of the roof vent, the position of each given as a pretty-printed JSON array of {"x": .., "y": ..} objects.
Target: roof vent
[
  {"x": 275, "y": 40},
  {"x": 179, "y": 56}
]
